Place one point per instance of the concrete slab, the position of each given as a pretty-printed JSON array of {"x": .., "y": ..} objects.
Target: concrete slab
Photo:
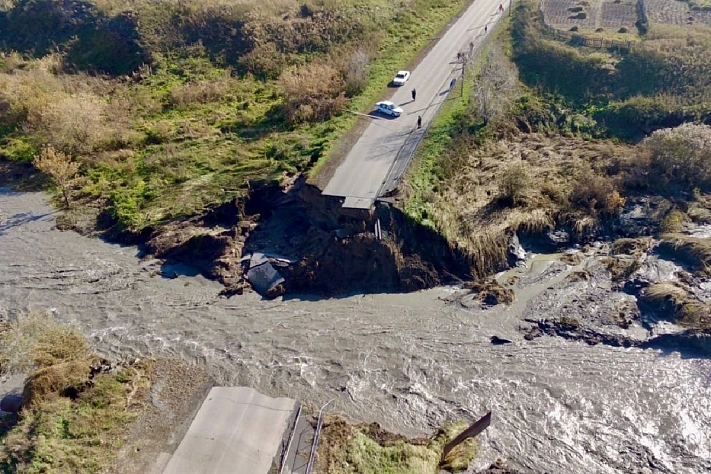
[
  {"x": 358, "y": 203},
  {"x": 237, "y": 430}
]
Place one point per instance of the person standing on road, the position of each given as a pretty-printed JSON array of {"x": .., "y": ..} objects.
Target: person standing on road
[
  {"x": 414, "y": 94},
  {"x": 419, "y": 121},
  {"x": 486, "y": 28}
]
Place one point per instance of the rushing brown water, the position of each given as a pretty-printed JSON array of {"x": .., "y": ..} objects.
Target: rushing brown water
[{"x": 408, "y": 361}]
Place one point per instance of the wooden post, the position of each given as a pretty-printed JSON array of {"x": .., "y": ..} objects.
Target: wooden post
[{"x": 482, "y": 424}]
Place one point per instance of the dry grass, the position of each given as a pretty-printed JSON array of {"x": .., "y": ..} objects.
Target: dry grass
[
  {"x": 674, "y": 302},
  {"x": 468, "y": 205},
  {"x": 635, "y": 247},
  {"x": 37, "y": 341},
  {"x": 696, "y": 251},
  {"x": 75, "y": 416},
  {"x": 55, "y": 380},
  {"x": 491, "y": 292}
]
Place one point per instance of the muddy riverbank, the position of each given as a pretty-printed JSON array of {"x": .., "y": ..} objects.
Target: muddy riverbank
[{"x": 408, "y": 361}]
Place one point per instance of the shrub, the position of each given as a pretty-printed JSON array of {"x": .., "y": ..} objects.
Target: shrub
[
  {"x": 495, "y": 86},
  {"x": 673, "y": 221},
  {"x": 59, "y": 167},
  {"x": 312, "y": 93},
  {"x": 514, "y": 184},
  {"x": 355, "y": 72},
  {"x": 75, "y": 124},
  {"x": 36, "y": 341},
  {"x": 19, "y": 149},
  {"x": 562, "y": 68},
  {"x": 596, "y": 194},
  {"x": 680, "y": 155},
  {"x": 200, "y": 92}
]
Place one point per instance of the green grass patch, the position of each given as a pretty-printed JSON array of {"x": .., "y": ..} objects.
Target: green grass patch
[
  {"x": 66, "y": 436},
  {"x": 367, "y": 449}
]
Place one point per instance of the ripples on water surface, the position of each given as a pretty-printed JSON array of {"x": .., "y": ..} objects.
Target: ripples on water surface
[{"x": 409, "y": 361}]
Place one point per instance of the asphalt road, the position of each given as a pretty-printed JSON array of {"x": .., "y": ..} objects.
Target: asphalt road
[
  {"x": 236, "y": 430},
  {"x": 382, "y": 153}
]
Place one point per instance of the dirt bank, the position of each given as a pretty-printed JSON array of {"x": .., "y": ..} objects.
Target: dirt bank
[{"x": 320, "y": 249}]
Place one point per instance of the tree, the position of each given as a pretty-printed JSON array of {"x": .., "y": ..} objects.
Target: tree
[
  {"x": 493, "y": 87},
  {"x": 60, "y": 167}
]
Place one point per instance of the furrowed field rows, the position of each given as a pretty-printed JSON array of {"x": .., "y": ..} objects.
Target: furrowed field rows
[
  {"x": 671, "y": 12},
  {"x": 593, "y": 14},
  {"x": 571, "y": 13},
  {"x": 616, "y": 15}
]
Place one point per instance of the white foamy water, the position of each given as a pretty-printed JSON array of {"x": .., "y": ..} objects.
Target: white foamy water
[{"x": 410, "y": 362}]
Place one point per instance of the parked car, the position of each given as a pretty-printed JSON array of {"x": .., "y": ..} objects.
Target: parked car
[
  {"x": 388, "y": 108},
  {"x": 401, "y": 78}
]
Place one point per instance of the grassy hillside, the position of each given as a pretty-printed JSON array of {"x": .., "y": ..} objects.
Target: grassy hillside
[
  {"x": 661, "y": 81},
  {"x": 172, "y": 107},
  {"x": 552, "y": 134}
]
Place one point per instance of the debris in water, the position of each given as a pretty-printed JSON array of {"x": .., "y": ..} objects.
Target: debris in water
[
  {"x": 265, "y": 279},
  {"x": 497, "y": 341}
]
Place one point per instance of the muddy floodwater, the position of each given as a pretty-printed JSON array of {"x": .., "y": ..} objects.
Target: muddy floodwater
[{"x": 408, "y": 361}]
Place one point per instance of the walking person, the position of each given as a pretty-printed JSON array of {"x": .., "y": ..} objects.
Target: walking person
[
  {"x": 414, "y": 94},
  {"x": 486, "y": 28},
  {"x": 501, "y": 7},
  {"x": 419, "y": 121}
]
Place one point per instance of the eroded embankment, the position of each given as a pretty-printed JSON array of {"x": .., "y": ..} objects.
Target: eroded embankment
[
  {"x": 316, "y": 246},
  {"x": 412, "y": 362}
]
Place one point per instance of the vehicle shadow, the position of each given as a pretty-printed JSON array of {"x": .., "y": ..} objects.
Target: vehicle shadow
[{"x": 380, "y": 115}]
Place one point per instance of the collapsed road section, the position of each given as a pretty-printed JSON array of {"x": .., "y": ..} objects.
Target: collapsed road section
[{"x": 236, "y": 430}]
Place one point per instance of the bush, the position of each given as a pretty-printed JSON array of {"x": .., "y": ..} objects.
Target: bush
[
  {"x": 514, "y": 184},
  {"x": 354, "y": 70},
  {"x": 312, "y": 93},
  {"x": 19, "y": 149},
  {"x": 562, "y": 68},
  {"x": 639, "y": 116},
  {"x": 36, "y": 341},
  {"x": 200, "y": 92},
  {"x": 59, "y": 167},
  {"x": 680, "y": 155},
  {"x": 596, "y": 194},
  {"x": 75, "y": 124}
]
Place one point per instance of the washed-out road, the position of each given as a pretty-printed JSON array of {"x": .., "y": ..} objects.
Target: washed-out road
[{"x": 381, "y": 155}]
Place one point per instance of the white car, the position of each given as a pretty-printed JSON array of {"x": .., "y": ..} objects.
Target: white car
[
  {"x": 401, "y": 78},
  {"x": 388, "y": 108}
]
